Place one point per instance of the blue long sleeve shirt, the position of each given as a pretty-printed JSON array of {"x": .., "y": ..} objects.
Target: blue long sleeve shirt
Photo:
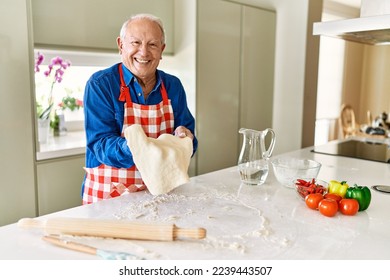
[{"x": 104, "y": 114}]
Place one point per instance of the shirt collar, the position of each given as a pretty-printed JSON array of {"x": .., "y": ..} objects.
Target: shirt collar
[{"x": 129, "y": 77}]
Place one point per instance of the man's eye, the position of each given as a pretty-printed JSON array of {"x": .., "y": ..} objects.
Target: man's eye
[
  {"x": 135, "y": 43},
  {"x": 153, "y": 45}
]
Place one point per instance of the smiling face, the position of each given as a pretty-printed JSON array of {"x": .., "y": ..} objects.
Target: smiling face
[{"x": 141, "y": 48}]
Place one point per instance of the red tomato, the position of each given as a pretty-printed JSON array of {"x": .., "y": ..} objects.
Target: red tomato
[
  {"x": 333, "y": 196},
  {"x": 349, "y": 206},
  {"x": 312, "y": 200},
  {"x": 328, "y": 207}
]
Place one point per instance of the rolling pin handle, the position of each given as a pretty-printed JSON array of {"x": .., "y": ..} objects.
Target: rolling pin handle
[
  {"x": 31, "y": 223},
  {"x": 196, "y": 233}
]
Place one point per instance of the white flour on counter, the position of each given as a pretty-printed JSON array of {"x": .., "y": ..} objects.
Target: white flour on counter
[{"x": 231, "y": 222}]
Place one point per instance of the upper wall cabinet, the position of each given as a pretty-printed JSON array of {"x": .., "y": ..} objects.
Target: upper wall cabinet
[{"x": 93, "y": 24}]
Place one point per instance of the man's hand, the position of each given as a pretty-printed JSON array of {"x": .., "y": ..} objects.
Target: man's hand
[{"x": 182, "y": 132}]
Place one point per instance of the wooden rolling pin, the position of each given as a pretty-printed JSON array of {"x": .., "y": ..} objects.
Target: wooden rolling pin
[{"x": 112, "y": 229}]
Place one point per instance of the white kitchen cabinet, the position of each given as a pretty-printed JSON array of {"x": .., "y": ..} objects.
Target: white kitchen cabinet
[
  {"x": 235, "y": 68},
  {"x": 59, "y": 183},
  {"x": 92, "y": 24}
]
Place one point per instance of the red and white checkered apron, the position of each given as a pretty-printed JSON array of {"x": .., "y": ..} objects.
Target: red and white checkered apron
[{"x": 104, "y": 181}]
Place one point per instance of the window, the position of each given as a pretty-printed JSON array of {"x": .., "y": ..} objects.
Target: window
[
  {"x": 83, "y": 65},
  {"x": 73, "y": 80}
]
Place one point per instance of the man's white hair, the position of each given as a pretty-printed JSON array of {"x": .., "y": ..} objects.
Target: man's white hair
[{"x": 150, "y": 17}]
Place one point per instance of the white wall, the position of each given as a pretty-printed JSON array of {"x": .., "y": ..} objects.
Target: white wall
[
  {"x": 289, "y": 73},
  {"x": 330, "y": 85},
  {"x": 182, "y": 64}
]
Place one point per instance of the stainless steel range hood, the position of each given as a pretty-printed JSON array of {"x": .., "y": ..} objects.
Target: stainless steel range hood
[{"x": 372, "y": 27}]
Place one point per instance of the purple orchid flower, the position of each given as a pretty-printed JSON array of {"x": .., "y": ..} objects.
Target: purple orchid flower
[
  {"x": 61, "y": 66},
  {"x": 58, "y": 65},
  {"x": 38, "y": 61}
]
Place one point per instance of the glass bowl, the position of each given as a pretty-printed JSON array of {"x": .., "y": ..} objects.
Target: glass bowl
[
  {"x": 287, "y": 169},
  {"x": 306, "y": 186}
]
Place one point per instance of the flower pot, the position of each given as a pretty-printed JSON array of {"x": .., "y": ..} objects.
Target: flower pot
[
  {"x": 43, "y": 130},
  {"x": 75, "y": 115},
  {"x": 58, "y": 123}
]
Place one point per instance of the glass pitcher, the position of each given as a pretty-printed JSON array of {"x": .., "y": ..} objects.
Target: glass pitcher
[{"x": 253, "y": 159}]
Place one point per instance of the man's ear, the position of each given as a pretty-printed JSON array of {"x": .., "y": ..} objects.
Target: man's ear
[
  {"x": 162, "y": 50},
  {"x": 119, "y": 44}
]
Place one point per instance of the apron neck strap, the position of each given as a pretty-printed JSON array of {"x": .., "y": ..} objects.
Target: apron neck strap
[
  {"x": 125, "y": 91},
  {"x": 164, "y": 93}
]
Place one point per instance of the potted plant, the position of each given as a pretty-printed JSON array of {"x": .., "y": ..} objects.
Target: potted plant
[
  {"x": 71, "y": 107},
  {"x": 46, "y": 114}
]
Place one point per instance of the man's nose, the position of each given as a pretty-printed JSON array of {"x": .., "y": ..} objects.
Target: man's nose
[{"x": 143, "y": 48}]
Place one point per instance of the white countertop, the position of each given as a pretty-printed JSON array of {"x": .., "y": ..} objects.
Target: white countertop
[
  {"x": 242, "y": 222},
  {"x": 73, "y": 143}
]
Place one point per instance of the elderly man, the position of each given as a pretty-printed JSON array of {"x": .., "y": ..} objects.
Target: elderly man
[{"x": 131, "y": 92}]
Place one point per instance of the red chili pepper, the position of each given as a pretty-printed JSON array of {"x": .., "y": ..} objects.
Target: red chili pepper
[{"x": 302, "y": 182}]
